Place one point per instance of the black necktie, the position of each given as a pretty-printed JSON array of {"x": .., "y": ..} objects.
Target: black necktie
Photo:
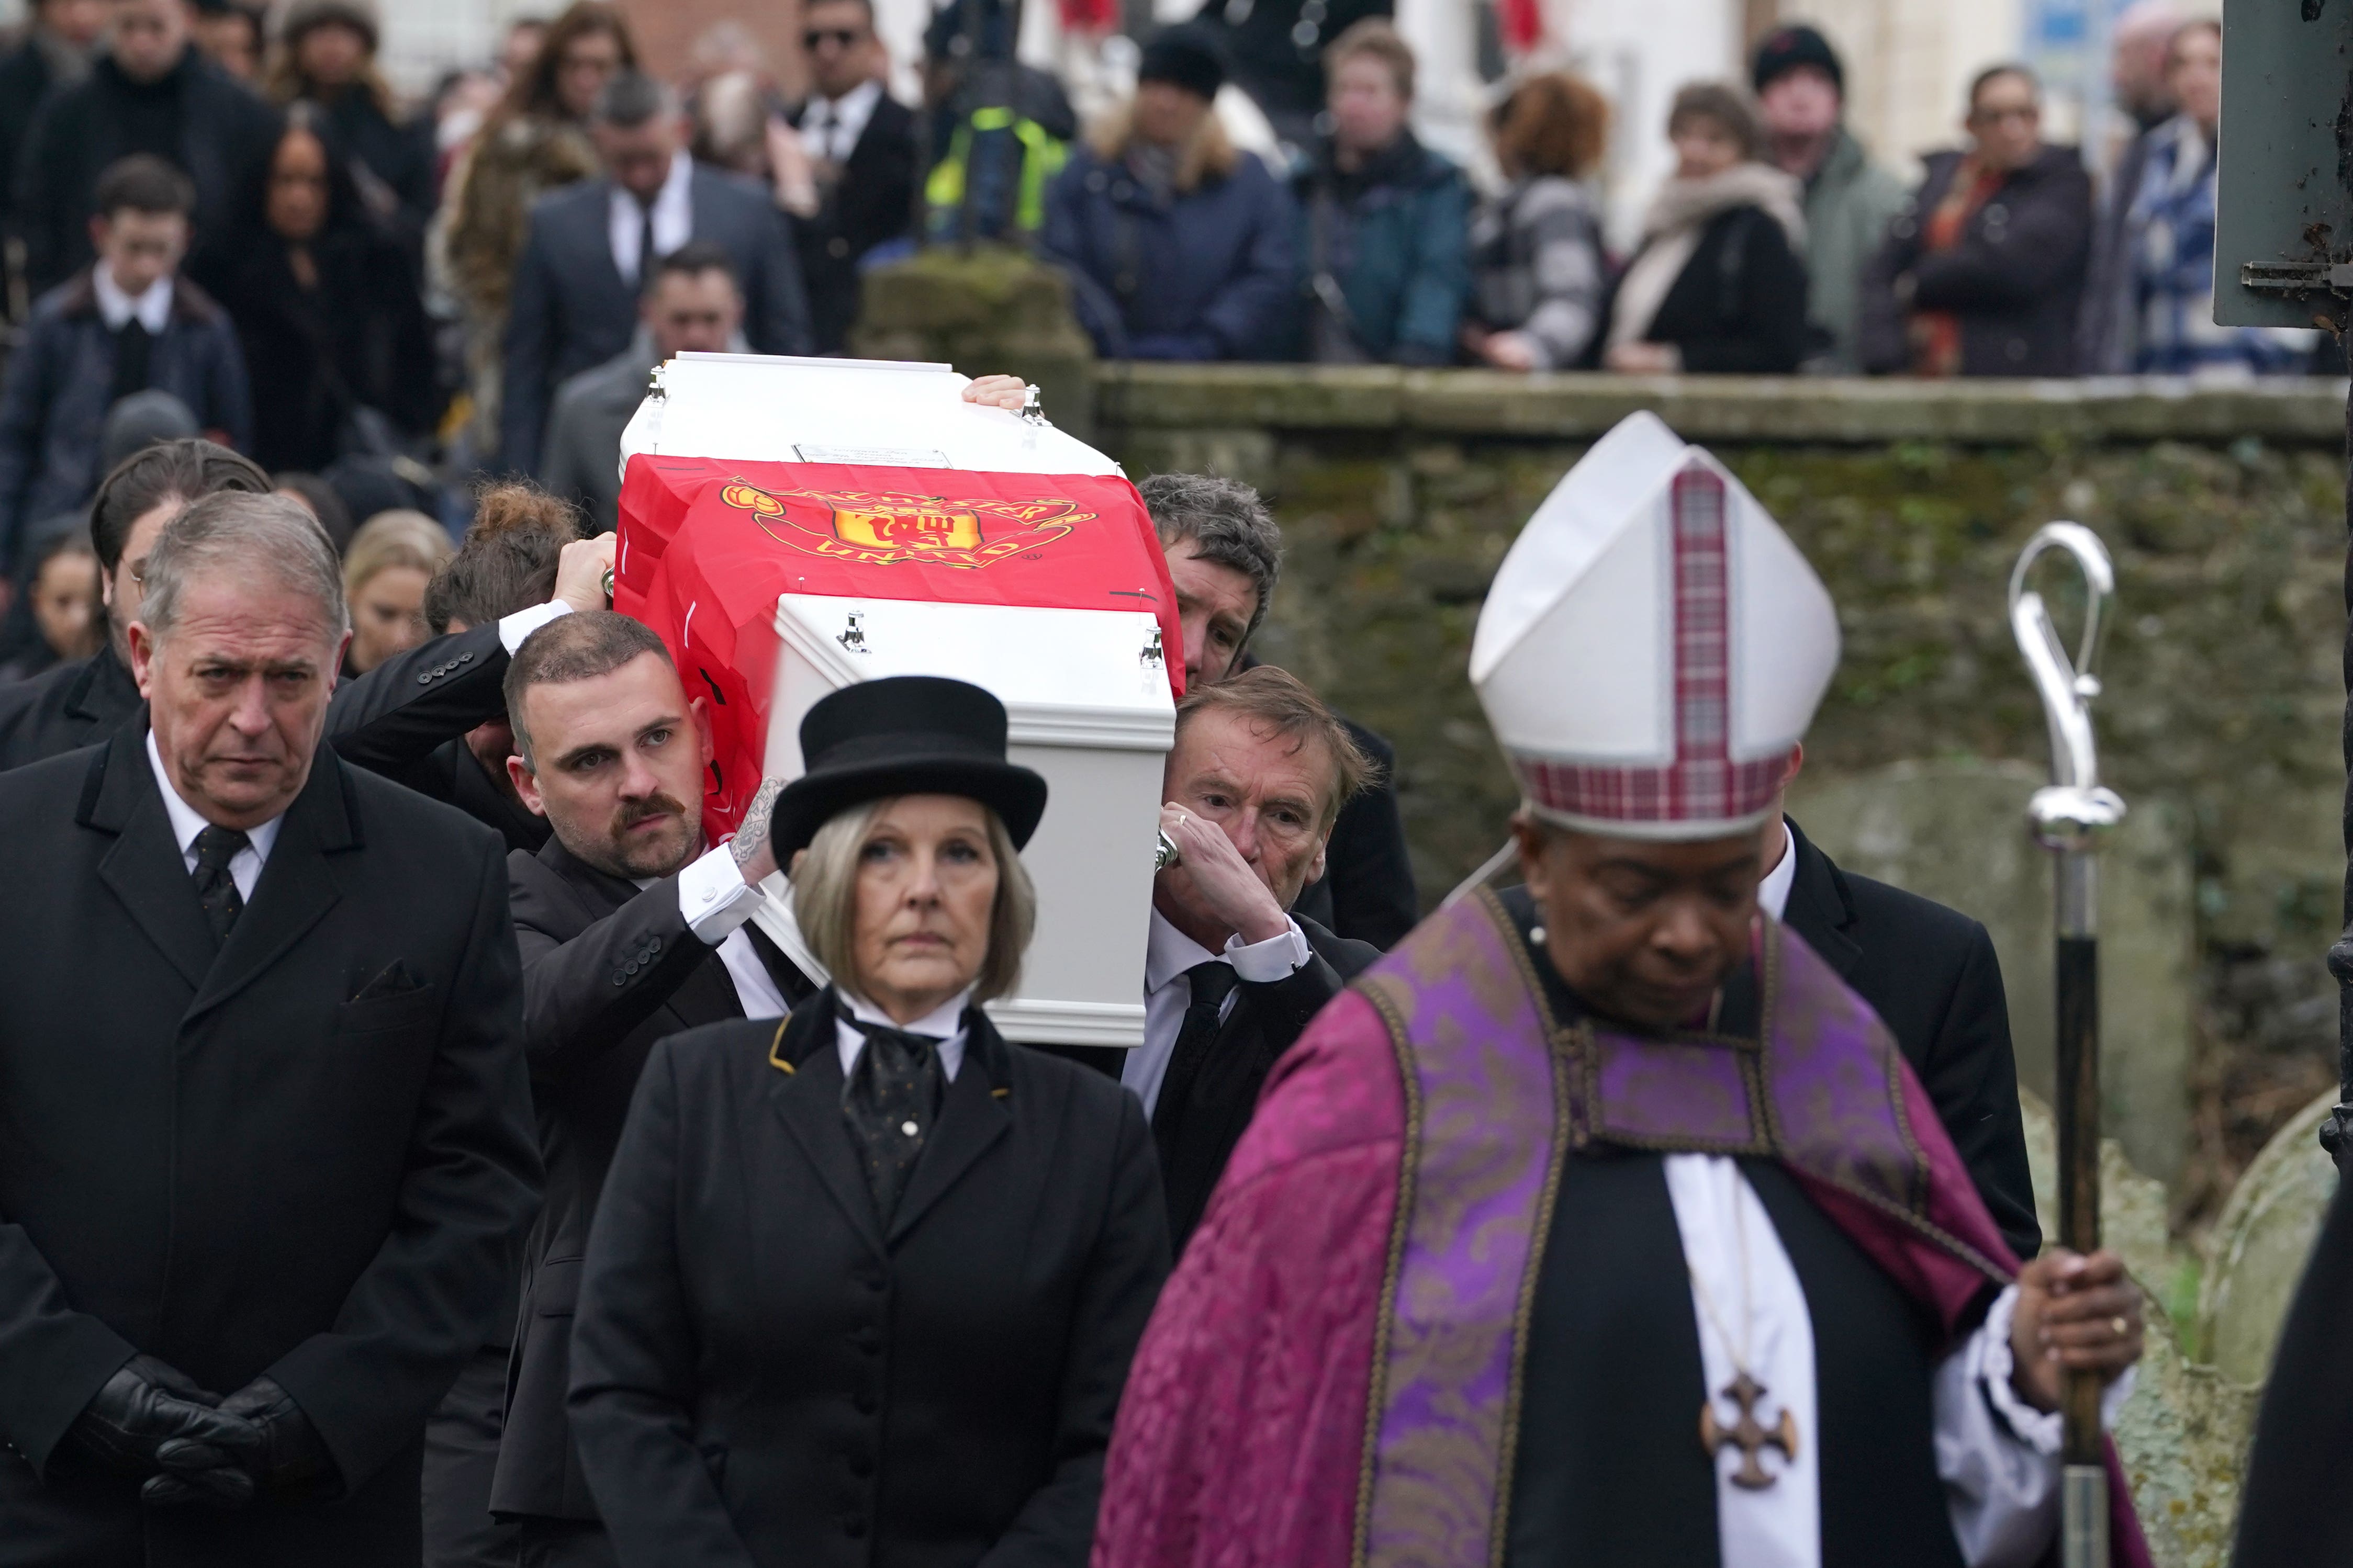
[
  {"x": 892, "y": 1098},
  {"x": 215, "y": 888},
  {"x": 647, "y": 260},
  {"x": 134, "y": 354},
  {"x": 1210, "y": 983}
]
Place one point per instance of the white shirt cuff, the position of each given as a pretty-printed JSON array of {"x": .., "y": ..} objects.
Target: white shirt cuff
[
  {"x": 1276, "y": 958},
  {"x": 715, "y": 898},
  {"x": 513, "y": 628},
  {"x": 2040, "y": 1430}
]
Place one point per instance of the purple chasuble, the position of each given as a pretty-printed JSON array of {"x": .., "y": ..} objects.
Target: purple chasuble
[{"x": 1498, "y": 1092}]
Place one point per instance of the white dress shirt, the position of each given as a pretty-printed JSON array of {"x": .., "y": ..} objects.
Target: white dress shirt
[
  {"x": 1168, "y": 953},
  {"x": 831, "y": 127},
  {"x": 943, "y": 1023},
  {"x": 673, "y": 219},
  {"x": 152, "y": 306},
  {"x": 717, "y": 902},
  {"x": 244, "y": 865},
  {"x": 1773, "y": 892}
]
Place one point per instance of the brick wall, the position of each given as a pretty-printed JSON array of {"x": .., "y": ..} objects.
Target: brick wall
[{"x": 668, "y": 32}]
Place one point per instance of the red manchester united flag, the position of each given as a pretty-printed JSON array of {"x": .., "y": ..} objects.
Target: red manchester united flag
[{"x": 707, "y": 546}]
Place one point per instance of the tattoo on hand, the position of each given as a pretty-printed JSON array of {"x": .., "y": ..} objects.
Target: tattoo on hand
[{"x": 753, "y": 834}]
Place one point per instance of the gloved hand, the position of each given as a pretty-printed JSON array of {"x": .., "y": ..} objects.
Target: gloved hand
[
  {"x": 286, "y": 1457},
  {"x": 150, "y": 1417}
]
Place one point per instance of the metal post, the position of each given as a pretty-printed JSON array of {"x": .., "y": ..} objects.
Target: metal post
[{"x": 2070, "y": 818}]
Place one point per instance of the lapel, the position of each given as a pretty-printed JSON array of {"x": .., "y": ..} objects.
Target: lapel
[
  {"x": 298, "y": 884},
  {"x": 1819, "y": 909},
  {"x": 795, "y": 985},
  {"x": 144, "y": 869},
  {"x": 974, "y": 1115},
  {"x": 806, "y": 1094},
  {"x": 594, "y": 239},
  {"x": 104, "y": 691}
]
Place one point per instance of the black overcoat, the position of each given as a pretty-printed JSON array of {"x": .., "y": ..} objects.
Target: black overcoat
[
  {"x": 306, "y": 1155},
  {"x": 873, "y": 203},
  {"x": 66, "y": 707},
  {"x": 762, "y": 1375},
  {"x": 607, "y": 970},
  {"x": 1931, "y": 974}
]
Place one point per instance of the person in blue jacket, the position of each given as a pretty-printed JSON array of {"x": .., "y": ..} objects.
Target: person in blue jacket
[
  {"x": 1178, "y": 245},
  {"x": 1386, "y": 220}
]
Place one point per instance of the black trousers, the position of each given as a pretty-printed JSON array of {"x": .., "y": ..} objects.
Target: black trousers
[
  {"x": 566, "y": 1544},
  {"x": 461, "y": 1450}
]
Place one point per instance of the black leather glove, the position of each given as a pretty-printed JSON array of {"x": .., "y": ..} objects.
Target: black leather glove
[
  {"x": 150, "y": 1417},
  {"x": 287, "y": 1458}
]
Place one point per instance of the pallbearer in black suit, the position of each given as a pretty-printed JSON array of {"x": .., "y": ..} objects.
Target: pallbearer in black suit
[
  {"x": 864, "y": 1286},
  {"x": 1254, "y": 782},
  {"x": 265, "y": 1136},
  {"x": 631, "y": 929}
]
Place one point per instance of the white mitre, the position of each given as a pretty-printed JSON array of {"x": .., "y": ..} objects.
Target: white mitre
[{"x": 1653, "y": 646}]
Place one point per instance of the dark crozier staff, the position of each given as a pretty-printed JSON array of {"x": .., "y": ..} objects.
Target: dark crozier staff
[{"x": 2070, "y": 817}]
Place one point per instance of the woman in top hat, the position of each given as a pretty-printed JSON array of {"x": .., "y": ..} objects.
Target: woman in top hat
[{"x": 864, "y": 1286}]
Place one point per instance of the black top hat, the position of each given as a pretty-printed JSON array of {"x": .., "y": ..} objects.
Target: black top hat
[{"x": 906, "y": 734}]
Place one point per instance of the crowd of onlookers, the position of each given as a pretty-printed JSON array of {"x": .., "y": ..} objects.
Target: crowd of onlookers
[{"x": 227, "y": 223}]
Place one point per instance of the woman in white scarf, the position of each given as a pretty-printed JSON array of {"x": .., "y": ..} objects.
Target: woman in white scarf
[{"x": 1719, "y": 283}]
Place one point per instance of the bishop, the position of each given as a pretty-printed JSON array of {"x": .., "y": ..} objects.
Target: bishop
[{"x": 1600, "y": 1223}]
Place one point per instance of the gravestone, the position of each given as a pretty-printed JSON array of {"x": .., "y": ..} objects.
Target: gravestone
[
  {"x": 1956, "y": 832},
  {"x": 2261, "y": 1243}
]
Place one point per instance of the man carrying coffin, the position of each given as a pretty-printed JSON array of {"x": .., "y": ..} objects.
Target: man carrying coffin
[
  {"x": 1600, "y": 1223},
  {"x": 631, "y": 929}
]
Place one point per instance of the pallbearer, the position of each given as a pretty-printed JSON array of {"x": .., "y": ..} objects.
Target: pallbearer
[{"x": 1599, "y": 1223}]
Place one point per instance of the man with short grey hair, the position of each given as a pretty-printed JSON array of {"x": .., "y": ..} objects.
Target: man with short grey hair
[
  {"x": 268, "y": 1132},
  {"x": 591, "y": 246},
  {"x": 1225, "y": 555}
]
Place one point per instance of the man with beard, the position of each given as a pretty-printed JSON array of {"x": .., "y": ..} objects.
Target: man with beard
[{"x": 631, "y": 928}]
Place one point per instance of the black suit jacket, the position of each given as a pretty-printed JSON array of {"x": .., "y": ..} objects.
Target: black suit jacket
[
  {"x": 1198, "y": 1138},
  {"x": 306, "y": 1154},
  {"x": 1931, "y": 975},
  {"x": 64, "y": 708},
  {"x": 572, "y": 311},
  {"x": 407, "y": 718},
  {"x": 763, "y": 1373},
  {"x": 874, "y": 201},
  {"x": 607, "y": 970}
]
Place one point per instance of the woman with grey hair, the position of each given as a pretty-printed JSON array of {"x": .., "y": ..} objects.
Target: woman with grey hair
[{"x": 867, "y": 1282}]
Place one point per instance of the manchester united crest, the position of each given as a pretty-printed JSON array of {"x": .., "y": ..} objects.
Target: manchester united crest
[{"x": 882, "y": 529}]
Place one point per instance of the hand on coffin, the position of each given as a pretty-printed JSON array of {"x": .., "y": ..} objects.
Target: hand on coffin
[
  {"x": 755, "y": 857},
  {"x": 1010, "y": 393},
  {"x": 1226, "y": 884},
  {"x": 581, "y": 572},
  {"x": 2074, "y": 1314}
]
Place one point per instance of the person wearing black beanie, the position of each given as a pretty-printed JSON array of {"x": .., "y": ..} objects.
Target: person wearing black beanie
[
  {"x": 1186, "y": 56},
  {"x": 1178, "y": 245},
  {"x": 1850, "y": 200}
]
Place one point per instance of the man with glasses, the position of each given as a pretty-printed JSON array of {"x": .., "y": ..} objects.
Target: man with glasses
[
  {"x": 1983, "y": 274},
  {"x": 845, "y": 167}
]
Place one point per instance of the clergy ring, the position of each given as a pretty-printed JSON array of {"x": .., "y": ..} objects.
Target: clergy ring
[{"x": 2120, "y": 1326}]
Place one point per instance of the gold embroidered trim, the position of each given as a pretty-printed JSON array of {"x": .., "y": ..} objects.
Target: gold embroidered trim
[
  {"x": 1373, "y": 990},
  {"x": 777, "y": 1045}
]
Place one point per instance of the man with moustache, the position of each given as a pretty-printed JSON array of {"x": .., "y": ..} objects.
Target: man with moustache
[{"x": 631, "y": 928}]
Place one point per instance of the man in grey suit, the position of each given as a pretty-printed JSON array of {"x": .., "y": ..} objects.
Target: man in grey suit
[
  {"x": 591, "y": 245},
  {"x": 690, "y": 305}
]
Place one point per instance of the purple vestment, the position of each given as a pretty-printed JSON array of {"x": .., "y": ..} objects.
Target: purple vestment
[{"x": 1332, "y": 1376}]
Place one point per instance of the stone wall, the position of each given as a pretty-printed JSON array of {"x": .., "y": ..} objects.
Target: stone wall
[{"x": 1398, "y": 492}]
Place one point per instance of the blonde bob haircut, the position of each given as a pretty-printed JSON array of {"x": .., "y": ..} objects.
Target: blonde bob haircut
[{"x": 824, "y": 901}]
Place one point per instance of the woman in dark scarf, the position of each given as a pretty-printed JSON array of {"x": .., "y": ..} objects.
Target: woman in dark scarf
[{"x": 327, "y": 308}]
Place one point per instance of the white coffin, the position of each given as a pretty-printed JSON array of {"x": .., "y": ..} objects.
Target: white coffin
[
  {"x": 1085, "y": 691},
  {"x": 1087, "y": 706}
]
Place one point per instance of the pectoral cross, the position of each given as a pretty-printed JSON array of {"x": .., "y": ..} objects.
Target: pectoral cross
[{"x": 1746, "y": 1434}]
